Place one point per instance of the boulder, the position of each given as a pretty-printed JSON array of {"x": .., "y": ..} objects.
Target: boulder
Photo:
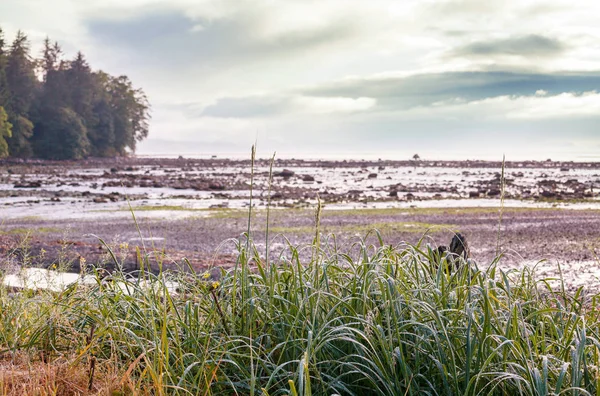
[{"x": 286, "y": 173}]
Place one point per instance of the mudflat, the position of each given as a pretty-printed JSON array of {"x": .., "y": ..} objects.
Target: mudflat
[{"x": 197, "y": 208}]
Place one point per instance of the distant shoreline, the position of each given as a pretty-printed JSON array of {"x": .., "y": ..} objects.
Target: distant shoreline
[{"x": 295, "y": 162}]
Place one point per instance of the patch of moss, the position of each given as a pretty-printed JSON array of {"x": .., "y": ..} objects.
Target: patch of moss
[
  {"x": 291, "y": 230},
  {"x": 222, "y": 213},
  {"x": 426, "y": 211},
  {"x": 411, "y": 227},
  {"x": 24, "y": 231},
  {"x": 28, "y": 218},
  {"x": 149, "y": 208}
]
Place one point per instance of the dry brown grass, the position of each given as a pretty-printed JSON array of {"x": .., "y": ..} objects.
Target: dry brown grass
[{"x": 21, "y": 374}]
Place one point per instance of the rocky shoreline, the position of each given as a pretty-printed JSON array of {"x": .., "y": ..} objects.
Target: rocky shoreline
[
  {"x": 296, "y": 182},
  {"x": 185, "y": 208}
]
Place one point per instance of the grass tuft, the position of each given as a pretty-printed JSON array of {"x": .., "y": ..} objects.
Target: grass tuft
[{"x": 317, "y": 319}]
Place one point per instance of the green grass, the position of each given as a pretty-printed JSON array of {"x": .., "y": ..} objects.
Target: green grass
[
  {"x": 429, "y": 211},
  {"x": 390, "y": 226},
  {"x": 377, "y": 320},
  {"x": 146, "y": 208},
  {"x": 214, "y": 212},
  {"x": 33, "y": 230}
]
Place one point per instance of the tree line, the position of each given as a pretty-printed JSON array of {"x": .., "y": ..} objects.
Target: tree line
[{"x": 54, "y": 108}]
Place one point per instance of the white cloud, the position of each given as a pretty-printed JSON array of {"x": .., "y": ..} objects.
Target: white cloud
[
  {"x": 324, "y": 105},
  {"x": 537, "y": 107}
]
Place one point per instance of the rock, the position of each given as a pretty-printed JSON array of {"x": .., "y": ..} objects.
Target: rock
[
  {"x": 474, "y": 194},
  {"x": 286, "y": 173},
  {"x": 393, "y": 193},
  {"x": 31, "y": 184},
  {"x": 114, "y": 170},
  {"x": 373, "y": 176},
  {"x": 493, "y": 192},
  {"x": 216, "y": 186},
  {"x": 308, "y": 178},
  {"x": 564, "y": 169},
  {"x": 548, "y": 194},
  {"x": 100, "y": 200}
]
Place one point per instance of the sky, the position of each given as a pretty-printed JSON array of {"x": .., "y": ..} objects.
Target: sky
[{"x": 448, "y": 79}]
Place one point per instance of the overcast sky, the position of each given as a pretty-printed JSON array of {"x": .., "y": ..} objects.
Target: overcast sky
[{"x": 447, "y": 79}]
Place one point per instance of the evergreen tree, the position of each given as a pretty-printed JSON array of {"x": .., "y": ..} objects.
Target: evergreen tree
[
  {"x": 130, "y": 114},
  {"x": 70, "y": 111},
  {"x": 52, "y": 96},
  {"x": 3, "y": 60},
  {"x": 5, "y": 132},
  {"x": 80, "y": 82},
  {"x": 22, "y": 84},
  {"x": 101, "y": 128},
  {"x": 64, "y": 135}
]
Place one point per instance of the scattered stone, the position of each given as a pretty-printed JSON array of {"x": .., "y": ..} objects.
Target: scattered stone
[
  {"x": 286, "y": 173},
  {"x": 32, "y": 184},
  {"x": 216, "y": 186},
  {"x": 308, "y": 178},
  {"x": 548, "y": 194},
  {"x": 373, "y": 176}
]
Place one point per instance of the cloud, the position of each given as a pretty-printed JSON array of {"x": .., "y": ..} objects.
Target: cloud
[
  {"x": 529, "y": 45},
  {"x": 172, "y": 38},
  {"x": 535, "y": 107},
  {"x": 424, "y": 89},
  {"x": 265, "y": 105}
]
